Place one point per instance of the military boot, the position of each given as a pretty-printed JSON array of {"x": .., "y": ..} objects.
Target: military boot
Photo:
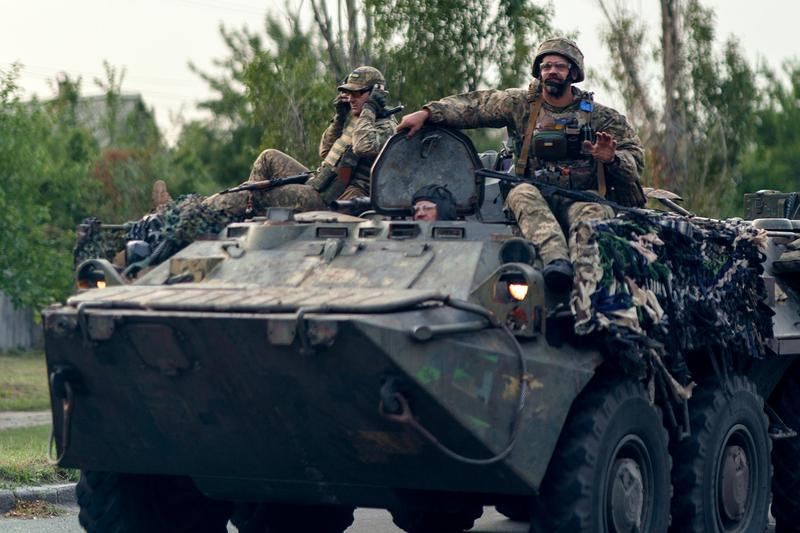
[{"x": 558, "y": 275}]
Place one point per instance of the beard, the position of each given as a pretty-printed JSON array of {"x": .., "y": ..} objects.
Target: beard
[{"x": 556, "y": 87}]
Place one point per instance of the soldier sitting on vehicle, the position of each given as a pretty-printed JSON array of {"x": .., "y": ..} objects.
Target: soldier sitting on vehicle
[
  {"x": 349, "y": 145},
  {"x": 434, "y": 202},
  {"x": 553, "y": 125}
]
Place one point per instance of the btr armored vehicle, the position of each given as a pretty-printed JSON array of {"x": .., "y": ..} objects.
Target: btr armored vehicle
[{"x": 299, "y": 365}]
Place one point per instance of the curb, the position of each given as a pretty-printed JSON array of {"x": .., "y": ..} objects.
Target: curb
[{"x": 55, "y": 494}]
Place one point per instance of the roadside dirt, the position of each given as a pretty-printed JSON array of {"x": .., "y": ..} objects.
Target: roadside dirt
[{"x": 21, "y": 419}]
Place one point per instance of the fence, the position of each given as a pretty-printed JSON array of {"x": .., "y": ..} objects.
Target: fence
[{"x": 17, "y": 327}]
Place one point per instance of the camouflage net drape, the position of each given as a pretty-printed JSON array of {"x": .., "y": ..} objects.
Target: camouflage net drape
[
  {"x": 656, "y": 288},
  {"x": 172, "y": 227}
]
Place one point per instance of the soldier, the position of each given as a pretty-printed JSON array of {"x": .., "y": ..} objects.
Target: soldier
[
  {"x": 349, "y": 145},
  {"x": 553, "y": 125},
  {"x": 434, "y": 202}
]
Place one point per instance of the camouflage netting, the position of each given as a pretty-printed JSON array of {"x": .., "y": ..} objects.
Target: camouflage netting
[
  {"x": 657, "y": 288},
  {"x": 172, "y": 227},
  {"x": 97, "y": 242}
]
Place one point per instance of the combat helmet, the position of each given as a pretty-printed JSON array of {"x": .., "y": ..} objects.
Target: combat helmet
[
  {"x": 563, "y": 47},
  {"x": 362, "y": 79}
]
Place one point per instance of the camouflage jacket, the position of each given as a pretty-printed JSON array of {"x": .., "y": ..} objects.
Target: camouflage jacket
[
  {"x": 369, "y": 135},
  {"x": 511, "y": 108}
]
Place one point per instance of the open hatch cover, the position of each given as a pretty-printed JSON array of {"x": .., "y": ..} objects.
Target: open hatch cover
[{"x": 434, "y": 156}]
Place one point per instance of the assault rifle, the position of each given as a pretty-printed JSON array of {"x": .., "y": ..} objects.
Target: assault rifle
[
  {"x": 388, "y": 112},
  {"x": 269, "y": 184},
  {"x": 550, "y": 189}
]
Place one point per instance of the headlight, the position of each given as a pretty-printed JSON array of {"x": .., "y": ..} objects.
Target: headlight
[{"x": 518, "y": 291}]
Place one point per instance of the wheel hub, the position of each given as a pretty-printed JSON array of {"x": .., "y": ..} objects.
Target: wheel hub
[
  {"x": 735, "y": 481},
  {"x": 627, "y": 495}
]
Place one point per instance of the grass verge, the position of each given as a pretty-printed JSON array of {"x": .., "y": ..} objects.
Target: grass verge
[
  {"x": 23, "y": 382},
  {"x": 23, "y": 459}
]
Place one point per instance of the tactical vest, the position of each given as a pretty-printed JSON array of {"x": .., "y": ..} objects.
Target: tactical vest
[
  {"x": 571, "y": 172},
  {"x": 555, "y": 147},
  {"x": 328, "y": 180}
]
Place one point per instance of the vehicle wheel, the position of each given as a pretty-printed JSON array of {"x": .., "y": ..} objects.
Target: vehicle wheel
[
  {"x": 722, "y": 471},
  {"x": 122, "y": 503},
  {"x": 611, "y": 468},
  {"x": 284, "y": 518},
  {"x": 421, "y": 520},
  {"x": 786, "y": 458},
  {"x": 517, "y": 509}
]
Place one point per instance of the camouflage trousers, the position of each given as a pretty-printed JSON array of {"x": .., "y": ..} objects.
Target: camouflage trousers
[
  {"x": 540, "y": 219},
  {"x": 271, "y": 164}
]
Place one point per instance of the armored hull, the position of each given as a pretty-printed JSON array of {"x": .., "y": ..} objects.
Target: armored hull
[
  {"x": 292, "y": 368},
  {"x": 272, "y": 389}
]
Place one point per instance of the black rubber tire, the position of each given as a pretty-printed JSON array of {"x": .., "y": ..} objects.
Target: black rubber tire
[
  {"x": 612, "y": 423},
  {"x": 416, "y": 520},
  {"x": 518, "y": 509},
  {"x": 123, "y": 503},
  {"x": 285, "y": 518},
  {"x": 786, "y": 457},
  {"x": 722, "y": 417}
]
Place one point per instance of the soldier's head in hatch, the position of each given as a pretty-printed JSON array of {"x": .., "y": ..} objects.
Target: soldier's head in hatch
[{"x": 434, "y": 202}]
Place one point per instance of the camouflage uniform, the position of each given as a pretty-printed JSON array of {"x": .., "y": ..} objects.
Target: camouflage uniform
[
  {"x": 365, "y": 135},
  {"x": 534, "y": 212}
]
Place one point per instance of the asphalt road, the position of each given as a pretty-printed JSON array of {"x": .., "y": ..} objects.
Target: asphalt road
[{"x": 366, "y": 521}]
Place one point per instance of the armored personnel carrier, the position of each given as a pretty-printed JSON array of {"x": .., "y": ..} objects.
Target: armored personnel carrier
[{"x": 297, "y": 366}]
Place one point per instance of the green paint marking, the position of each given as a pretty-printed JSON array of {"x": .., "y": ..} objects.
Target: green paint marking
[
  {"x": 428, "y": 374},
  {"x": 478, "y": 423},
  {"x": 460, "y": 375},
  {"x": 490, "y": 357}
]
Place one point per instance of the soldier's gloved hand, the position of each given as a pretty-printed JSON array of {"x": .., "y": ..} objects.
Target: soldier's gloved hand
[
  {"x": 377, "y": 99},
  {"x": 342, "y": 105}
]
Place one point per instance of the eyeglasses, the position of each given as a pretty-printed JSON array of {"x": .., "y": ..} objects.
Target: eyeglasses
[
  {"x": 353, "y": 93},
  {"x": 554, "y": 66},
  {"x": 424, "y": 207}
]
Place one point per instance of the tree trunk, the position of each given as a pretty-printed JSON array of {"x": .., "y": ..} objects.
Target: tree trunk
[{"x": 674, "y": 142}]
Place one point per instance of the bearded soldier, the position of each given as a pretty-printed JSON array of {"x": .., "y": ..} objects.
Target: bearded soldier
[
  {"x": 349, "y": 145},
  {"x": 561, "y": 137}
]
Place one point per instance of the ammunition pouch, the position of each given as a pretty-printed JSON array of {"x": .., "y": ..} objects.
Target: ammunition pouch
[
  {"x": 322, "y": 178},
  {"x": 330, "y": 182},
  {"x": 563, "y": 141},
  {"x": 550, "y": 144}
]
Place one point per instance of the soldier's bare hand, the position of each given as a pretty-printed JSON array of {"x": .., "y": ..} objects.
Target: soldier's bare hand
[
  {"x": 604, "y": 148},
  {"x": 413, "y": 122}
]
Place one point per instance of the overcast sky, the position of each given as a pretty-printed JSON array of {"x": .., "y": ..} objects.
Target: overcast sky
[{"x": 155, "y": 39}]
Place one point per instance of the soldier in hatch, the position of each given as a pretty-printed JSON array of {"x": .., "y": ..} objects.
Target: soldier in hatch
[
  {"x": 349, "y": 145},
  {"x": 562, "y": 137},
  {"x": 434, "y": 202}
]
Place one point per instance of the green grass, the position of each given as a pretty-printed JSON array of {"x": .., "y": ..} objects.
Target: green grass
[
  {"x": 23, "y": 382},
  {"x": 23, "y": 459}
]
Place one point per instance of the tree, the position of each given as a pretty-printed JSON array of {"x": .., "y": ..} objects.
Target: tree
[
  {"x": 773, "y": 161},
  {"x": 433, "y": 48},
  {"x": 276, "y": 91},
  {"x": 44, "y": 167},
  {"x": 697, "y": 128}
]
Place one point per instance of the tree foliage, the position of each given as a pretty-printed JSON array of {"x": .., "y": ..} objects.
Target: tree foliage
[
  {"x": 698, "y": 126},
  {"x": 275, "y": 90},
  {"x": 42, "y": 188},
  {"x": 430, "y": 49},
  {"x": 773, "y": 160}
]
